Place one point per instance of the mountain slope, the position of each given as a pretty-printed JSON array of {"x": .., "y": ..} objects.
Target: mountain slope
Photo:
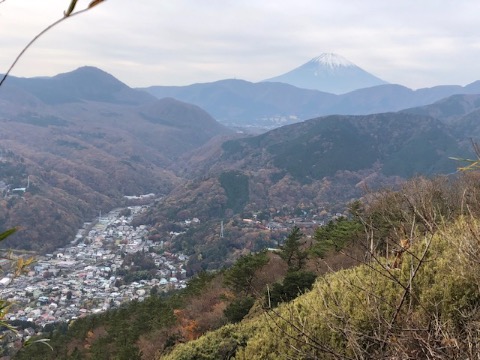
[
  {"x": 329, "y": 73},
  {"x": 84, "y": 152},
  {"x": 450, "y": 108},
  {"x": 317, "y": 148},
  {"x": 315, "y": 167}
]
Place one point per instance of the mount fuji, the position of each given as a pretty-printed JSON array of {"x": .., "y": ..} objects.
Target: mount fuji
[{"x": 329, "y": 73}]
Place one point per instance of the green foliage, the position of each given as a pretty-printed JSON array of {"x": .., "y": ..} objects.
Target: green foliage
[
  {"x": 143, "y": 268},
  {"x": 232, "y": 147},
  {"x": 197, "y": 284},
  {"x": 7, "y": 233},
  {"x": 238, "y": 308},
  {"x": 291, "y": 250},
  {"x": 335, "y": 235},
  {"x": 294, "y": 284},
  {"x": 221, "y": 344},
  {"x": 241, "y": 275},
  {"x": 405, "y": 144},
  {"x": 318, "y": 152},
  {"x": 236, "y": 188},
  {"x": 77, "y": 355}
]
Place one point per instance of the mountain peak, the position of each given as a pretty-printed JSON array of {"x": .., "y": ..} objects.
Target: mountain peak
[
  {"x": 85, "y": 83},
  {"x": 331, "y": 73},
  {"x": 331, "y": 60}
]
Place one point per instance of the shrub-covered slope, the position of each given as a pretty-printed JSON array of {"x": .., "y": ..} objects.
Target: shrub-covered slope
[{"x": 426, "y": 308}]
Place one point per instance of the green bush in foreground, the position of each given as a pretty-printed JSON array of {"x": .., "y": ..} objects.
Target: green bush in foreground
[{"x": 238, "y": 309}]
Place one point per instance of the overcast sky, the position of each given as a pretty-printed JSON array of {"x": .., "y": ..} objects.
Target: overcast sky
[{"x": 416, "y": 43}]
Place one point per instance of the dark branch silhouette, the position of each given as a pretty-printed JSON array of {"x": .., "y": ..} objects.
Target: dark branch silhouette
[{"x": 67, "y": 14}]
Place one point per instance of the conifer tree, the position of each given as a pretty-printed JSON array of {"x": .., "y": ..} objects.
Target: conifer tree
[{"x": 291, "y": 250}]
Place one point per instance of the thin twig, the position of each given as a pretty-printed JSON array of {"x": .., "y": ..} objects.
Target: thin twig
[
  {"x": 314, "y": 343},
  {"x": 36, "y": 38},
  {"x": 387, "y": 275},
  {"x": 407, "y": 291}
]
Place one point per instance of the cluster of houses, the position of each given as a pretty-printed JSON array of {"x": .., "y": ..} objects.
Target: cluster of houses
[
  {"x": 285, "y": 223},
  {"x": 82, "y": 279}
]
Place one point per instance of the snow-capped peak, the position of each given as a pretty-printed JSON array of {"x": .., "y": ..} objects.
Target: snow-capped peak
[
  {"x": 331, "y": 60},
  {"x": 330, "y": 73}
]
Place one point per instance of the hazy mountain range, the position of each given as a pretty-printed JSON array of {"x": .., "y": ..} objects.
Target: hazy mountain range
[{"x": 266, "y": 105}]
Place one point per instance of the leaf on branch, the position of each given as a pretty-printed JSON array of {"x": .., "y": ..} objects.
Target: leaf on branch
[
  {"x": 473, "y": 164},
  {"x": 8, "y": 326},
  {"x": 22, "y": 265},
  {"x": 7, "y": 233},
  {"x": 70, "y": 8},
  {"x": 4, "y": 307},
  {"x": 462, "y": 159},
  {"x": 94, "y": 2},
  {"x": 41, "y": 341}
]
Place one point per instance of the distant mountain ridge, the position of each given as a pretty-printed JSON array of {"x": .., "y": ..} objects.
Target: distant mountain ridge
[
  {"x": 269, "y": 105},
  {"x": 326, "y": 85},
  {"x": 330, "y": 73},
  {"x": 85, "y": 83}
]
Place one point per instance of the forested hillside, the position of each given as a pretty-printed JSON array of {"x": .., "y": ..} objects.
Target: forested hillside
[
  {"x": 77, "y": 143},
  {"x": 415, "y": 295},
  {"x": 307, "y": 171},
  {"x": 408, "y": 288}
]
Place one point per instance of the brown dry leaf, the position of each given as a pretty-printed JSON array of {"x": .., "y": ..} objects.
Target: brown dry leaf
[{"x": 94, "y": 2}]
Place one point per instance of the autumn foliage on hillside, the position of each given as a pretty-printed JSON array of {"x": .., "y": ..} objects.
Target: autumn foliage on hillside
[{"x": 414, "y": 295}]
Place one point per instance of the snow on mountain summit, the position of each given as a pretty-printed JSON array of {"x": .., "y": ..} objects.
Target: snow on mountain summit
[
  {"x": 331, "y": 60},
  {"x": 329, "y": 73}
]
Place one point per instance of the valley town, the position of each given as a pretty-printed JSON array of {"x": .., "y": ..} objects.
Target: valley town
[{"x": 83, "y": 278}]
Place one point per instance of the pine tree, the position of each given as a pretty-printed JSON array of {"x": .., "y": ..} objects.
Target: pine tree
[
  {"x": 241, "y": 275},
  {"x": 291, "y": 250}
]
